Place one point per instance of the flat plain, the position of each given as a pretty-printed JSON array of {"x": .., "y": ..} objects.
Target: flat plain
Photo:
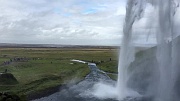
[{"x": 37, "y": 69}]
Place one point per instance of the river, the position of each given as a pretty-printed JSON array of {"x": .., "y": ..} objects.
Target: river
[{"x": 83, "y": 91}]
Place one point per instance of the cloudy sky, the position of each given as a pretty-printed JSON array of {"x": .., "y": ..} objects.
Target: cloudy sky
[
  {"x": 86, "y": 22},
  {"x": 74, "y": 22}
]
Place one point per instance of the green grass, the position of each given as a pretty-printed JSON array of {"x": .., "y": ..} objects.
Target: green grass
[
  {"x": 113, "y": 76},
  {"x": 109, "y": 66},
  {"x": 39, "y": 74}
]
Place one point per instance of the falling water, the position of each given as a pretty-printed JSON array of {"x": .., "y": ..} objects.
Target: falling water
[
  {"x": 168, "y": 50},
  {"x": 164, "y": 52},
  {"x": 167, "y": 47},
  {"x": 133, "y": 12}
]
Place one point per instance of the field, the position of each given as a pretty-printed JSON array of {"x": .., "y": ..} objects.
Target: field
[{"x": 37, "y": 69}]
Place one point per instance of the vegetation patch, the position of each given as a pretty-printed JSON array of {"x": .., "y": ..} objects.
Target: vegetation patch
[
  {"x": 113, "y": 76},
  {"x": 7, "y": 79},
  {"x": 109, "y": 66}
]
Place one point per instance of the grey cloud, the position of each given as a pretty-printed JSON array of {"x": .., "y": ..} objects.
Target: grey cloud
[{"x": 30, "y": 21}]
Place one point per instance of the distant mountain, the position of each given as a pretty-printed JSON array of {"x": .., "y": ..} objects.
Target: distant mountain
[{"x": 14, "y": 45}]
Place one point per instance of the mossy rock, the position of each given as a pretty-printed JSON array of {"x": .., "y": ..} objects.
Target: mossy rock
[{"x": 7, "y": 79}]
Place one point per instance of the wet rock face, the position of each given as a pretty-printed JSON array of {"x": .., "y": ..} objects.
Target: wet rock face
[
  {"x": 143, "y": 70},
  {"x": 145, "y": 73},
  {"x": 7, "y": 79}
]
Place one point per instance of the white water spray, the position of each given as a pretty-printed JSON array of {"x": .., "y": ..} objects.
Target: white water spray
[
  {"x": 166, "y": 47},
  {"x": 134, "y": 12},
  {"x": 165, "y": 51}
]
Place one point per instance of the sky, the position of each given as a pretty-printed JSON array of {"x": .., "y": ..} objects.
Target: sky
[{"x": 74, "y": 22}]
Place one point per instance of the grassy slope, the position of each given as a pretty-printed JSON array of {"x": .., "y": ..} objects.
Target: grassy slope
[{"x": 39, "y": 74}]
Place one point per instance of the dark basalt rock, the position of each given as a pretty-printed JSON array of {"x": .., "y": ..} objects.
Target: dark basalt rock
[{"x": 9, "y": 97}]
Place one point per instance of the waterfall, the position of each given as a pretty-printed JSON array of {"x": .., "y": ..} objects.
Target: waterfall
[
  {"x": 164, "y": 52},
  {"x": 134, "y": 11},
  {"x": 167, "y": 47}
]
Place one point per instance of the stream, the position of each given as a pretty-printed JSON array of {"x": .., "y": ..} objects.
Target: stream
[{"x": 83, "y": 91}]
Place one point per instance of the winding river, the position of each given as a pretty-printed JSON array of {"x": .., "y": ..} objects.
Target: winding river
[{"x": 83, "y": 91}]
